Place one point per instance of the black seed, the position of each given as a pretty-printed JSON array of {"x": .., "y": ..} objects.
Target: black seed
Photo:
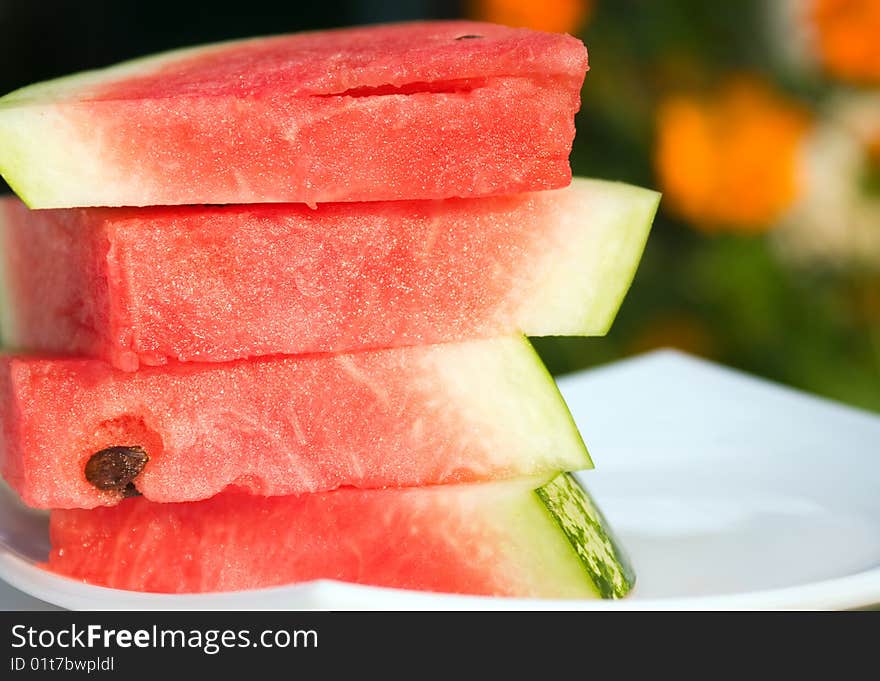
[
  {"x": 468, "y": 37},
  {"x": 114, "y": 468}
]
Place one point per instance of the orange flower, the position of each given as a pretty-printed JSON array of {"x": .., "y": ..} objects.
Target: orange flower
[
  {"x": 557, "y": 16},
  {"x": 729, "y": 161},
  {"x": 848, "y": 37}
]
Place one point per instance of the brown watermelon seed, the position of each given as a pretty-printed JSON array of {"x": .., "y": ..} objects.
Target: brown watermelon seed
[
  {"x": 468, "y": 37},
  {"x": 114, "y": 468}
]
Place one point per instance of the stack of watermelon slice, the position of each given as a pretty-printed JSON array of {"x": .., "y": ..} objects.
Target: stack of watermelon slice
[{"x": 265, "y": 309}]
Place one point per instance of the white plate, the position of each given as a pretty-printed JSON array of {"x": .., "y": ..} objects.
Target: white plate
[{"x": 728, "y": 492}]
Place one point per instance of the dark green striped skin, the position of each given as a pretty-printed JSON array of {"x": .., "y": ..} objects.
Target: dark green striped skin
[{"x": 589, "y": 535}]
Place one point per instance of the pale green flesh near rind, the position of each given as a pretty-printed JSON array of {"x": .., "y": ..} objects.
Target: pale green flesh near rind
[
  {"x": 544, "y": 425},
  {"x": 46, "y": 161},
  {"x": 589, "y": 535},
  {"x": 581, "y": 285},
  {"x": 541, "y": 369},
  {"x": 43, "y": 158},
  {"x": 515, "y": 388},
  {"x": 495, "y": 393},
  {"x": 621, "y": 268},
  {"x": 29, "y": 121}
]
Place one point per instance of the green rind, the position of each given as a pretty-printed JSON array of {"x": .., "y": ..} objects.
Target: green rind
[{"x": 589, "y": 535}]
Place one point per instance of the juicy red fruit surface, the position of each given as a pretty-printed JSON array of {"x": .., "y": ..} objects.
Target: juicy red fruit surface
[
  {"x": 336, "y": 61},
  {"x": 215, "y": 284},
  {"x": 513, "y": 134},
  {"x": 388, "y": 112},
  {"x": 285, "y": 425},
  {"x": 234, "y": 541}
]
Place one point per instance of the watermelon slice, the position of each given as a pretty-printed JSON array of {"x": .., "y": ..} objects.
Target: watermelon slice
[
  {"x": 405, "y": 111},
  {"x": 142, "y": 286},
  {"x": 529, "y": 538},
  {"x": 77, "y": 433}
]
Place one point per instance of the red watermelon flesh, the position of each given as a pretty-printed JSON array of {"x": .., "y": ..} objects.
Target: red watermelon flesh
[
  {"x": 413, "y": 416},
  {"x": 496, "y": 538},
  {"x": 405, "y": 111},
  {"x": 145, "y": 286}
]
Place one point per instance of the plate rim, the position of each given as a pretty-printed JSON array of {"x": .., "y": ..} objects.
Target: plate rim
[{"x": 858, "y": 590}]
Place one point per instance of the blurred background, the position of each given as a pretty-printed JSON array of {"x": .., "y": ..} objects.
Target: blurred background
[{"x": 759, "y": 120}]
